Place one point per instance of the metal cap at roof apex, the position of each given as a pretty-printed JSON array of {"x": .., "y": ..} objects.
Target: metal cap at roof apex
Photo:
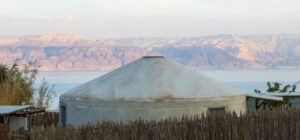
[{"x": 153, "y": 56}]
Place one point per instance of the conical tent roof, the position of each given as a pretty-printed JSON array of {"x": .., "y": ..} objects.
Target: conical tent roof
[{"x": 151, "y": 79}]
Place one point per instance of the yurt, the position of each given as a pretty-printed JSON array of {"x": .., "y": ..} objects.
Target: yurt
[{"x": 150, "y": 88}]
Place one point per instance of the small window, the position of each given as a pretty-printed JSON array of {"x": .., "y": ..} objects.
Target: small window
[{"x": 216, "y": 110}]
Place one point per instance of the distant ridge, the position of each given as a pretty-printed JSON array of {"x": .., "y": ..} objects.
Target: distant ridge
[
  {"x": 74, "y": 52},
  {"x": 70, "y": 40}
]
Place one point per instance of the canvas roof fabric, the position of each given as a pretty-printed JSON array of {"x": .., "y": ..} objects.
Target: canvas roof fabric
[
  {"x": 152, "y": 79},
  {"x": 4, "y": 110}
]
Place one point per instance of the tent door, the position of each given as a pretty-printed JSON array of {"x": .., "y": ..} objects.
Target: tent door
[{"x": 63, "y": 115}]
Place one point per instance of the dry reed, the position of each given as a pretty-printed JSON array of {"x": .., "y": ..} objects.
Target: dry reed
[{"x": 275, "y": 125}]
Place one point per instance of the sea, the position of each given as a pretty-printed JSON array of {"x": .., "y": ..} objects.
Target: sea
[{"x": 244, "y": 80}]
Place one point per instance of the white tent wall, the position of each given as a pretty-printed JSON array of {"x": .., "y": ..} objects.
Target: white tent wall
[{"x": 80, "y": 112}]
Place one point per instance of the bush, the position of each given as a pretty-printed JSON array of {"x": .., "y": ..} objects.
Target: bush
[{"x": 16, "y": 85}]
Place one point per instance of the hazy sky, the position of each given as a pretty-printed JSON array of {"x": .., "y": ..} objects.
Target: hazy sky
[{"x": 131, "y": 18}]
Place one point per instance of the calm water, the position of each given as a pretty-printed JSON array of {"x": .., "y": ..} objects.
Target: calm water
[{"x": 244, "y": 80}]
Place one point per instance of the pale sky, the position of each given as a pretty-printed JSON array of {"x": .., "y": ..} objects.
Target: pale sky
[{"x": 149, "y": 18}]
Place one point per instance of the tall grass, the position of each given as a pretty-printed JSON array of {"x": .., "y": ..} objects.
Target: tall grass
[{"x": 16, "y": 84}]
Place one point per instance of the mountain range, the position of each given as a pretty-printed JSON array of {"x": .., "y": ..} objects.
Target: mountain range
[{"x": 73, "y": 52}]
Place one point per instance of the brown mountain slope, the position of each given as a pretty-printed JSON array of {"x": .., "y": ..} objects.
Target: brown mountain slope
[{"x": 72, "y": 52}]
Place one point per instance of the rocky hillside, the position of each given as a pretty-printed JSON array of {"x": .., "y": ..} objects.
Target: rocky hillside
[{"x": 73, "y": 52}]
